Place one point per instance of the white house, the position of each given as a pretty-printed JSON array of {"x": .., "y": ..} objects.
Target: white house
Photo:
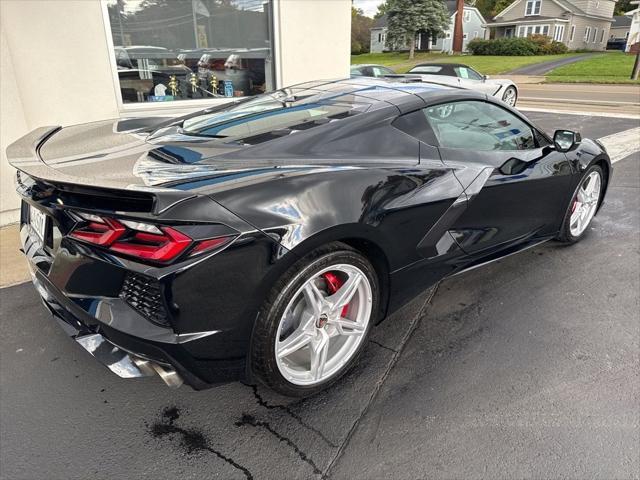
[
  {"x": 579, "y": 24},
  {"x": 633, "y": 40},
  {"x": 472, "y": 27},
  {"x": 71, "y": 61}
]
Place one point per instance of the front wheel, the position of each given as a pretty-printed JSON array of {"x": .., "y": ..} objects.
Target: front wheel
[
  {"x": 510, "y": 96},
  {"x": 315, "y": 322},
  {"x": 583, "y": 206}
]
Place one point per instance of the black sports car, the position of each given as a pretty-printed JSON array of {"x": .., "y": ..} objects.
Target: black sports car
[{"x": 262, "y": 240}]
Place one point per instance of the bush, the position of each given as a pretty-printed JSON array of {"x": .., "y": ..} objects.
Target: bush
[
  {"x": 517, "y": 46},
  {"x": 503, "y": 46},
  {"x": 554, "y": 48},
  {"x": 547, "y": 46}
]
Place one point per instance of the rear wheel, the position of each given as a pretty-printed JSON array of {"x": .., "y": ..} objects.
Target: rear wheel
[
  {"x": 315, "y": 322},
  {"x": 583, "y": 206}
]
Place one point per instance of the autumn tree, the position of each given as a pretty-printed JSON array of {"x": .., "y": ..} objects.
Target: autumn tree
[{"x": 408, "y": 17}]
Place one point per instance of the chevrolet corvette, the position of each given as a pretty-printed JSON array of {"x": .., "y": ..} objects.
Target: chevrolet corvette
[
  {"x": 263, "y": 239},
  {"x": 457, "y": 74}
]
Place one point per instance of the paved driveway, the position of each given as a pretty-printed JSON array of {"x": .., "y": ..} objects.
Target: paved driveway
[
  {"x": 544, "y": 67},
  {"x": 526, "y": 368}
]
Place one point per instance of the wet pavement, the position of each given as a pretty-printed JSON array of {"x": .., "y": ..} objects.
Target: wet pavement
[{"x": 526, "y": 368}]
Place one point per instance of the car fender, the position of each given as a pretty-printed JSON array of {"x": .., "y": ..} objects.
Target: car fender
[{"x": 392, "y": 206}]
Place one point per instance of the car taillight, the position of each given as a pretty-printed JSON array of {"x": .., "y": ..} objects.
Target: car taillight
[
  {"x": 101, "y": 231},
  {"x": 152, "y": 246},
  {"x": 142, "y": 240}
]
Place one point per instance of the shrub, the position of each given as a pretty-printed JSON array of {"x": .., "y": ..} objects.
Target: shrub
[
  {"x": 547, "y": 46},
  {"x": 554, "y": 48},
  {"x": 503, "y": 46},
  {"x": 517, "y": 46}
]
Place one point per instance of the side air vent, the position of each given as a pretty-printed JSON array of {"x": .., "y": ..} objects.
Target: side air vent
[{"x": 144, "y": 294}]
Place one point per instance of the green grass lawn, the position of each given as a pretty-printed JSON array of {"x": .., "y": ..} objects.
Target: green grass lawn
[
  {"x": 611, "y": 67},
  {"x": 488, "y": 65}
]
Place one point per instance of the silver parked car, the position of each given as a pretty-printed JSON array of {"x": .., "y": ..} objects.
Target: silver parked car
[{"x": 457, "y": 74}]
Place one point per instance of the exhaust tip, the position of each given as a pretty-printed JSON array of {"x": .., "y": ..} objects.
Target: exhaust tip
[
  {"x": 168, "y": 375},
  {"x": 125, "y": 364}
]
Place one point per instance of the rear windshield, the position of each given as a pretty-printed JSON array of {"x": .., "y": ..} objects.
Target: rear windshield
[
  {"x": 426, "y": 69},
  {"x": 270, "y": 116}
]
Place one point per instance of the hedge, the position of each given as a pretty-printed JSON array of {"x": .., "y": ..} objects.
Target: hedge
[{"x": 517, "y": 46}]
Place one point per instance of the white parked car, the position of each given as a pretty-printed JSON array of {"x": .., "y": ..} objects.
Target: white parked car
[{"x": 464, "y": 76}]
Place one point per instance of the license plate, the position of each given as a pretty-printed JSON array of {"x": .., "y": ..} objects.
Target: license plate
[{"x": 38, "y": 222}]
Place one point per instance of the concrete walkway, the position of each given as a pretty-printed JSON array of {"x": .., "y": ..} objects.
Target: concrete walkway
[
  {"x": 13, "y": 265},
  {"x": 544, "y": 67}
]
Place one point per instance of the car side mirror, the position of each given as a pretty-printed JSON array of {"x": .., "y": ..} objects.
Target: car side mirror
[
  {"x": 566, "y": 140},
  {"x": 485, "y": 77}
]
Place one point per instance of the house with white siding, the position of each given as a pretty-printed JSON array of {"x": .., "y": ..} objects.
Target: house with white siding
[
  {"x": 633, "y": 40},
  {"x": 472, "y": 27},
  {"x": 579, "y": 24}
]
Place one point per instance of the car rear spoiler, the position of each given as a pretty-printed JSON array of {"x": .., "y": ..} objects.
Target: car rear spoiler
[{"x": 24, "y": 155}]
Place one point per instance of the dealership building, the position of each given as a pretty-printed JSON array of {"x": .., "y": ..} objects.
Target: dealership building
[{"x": 64, "y": 62}]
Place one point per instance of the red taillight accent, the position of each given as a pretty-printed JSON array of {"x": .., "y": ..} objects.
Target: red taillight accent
[
  {"x": 211, "y": 244},
  {"x": 127, "y": 239},
  {"x": 151, "y": 246},
  {"x": 100, "y": 233}
]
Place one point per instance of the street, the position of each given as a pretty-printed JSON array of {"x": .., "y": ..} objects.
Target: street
[
  {"x": 527, "y": 367},
  {"x": 622, "y": 100}
]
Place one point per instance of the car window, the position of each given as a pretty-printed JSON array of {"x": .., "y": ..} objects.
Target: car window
[
  {"x": 466, "y": 72},
  {"x": 356, "y": 72},
  {"x": 270, "y": 116},
  {"x": 416, "y": 125},
  {"x": 474, "y": 75},
  {"x": 381, "y": 71},
  {"x": 426, "y": 69},
  {"x": 479, "y": 125}
]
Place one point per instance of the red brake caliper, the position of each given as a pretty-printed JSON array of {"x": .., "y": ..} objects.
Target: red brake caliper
[{"x": 333, "y": 285}]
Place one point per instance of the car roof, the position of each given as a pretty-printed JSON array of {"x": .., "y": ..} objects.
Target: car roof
[
  {"x": 360, "y": 65},
  {"x": 402, "y": 92},
  {"x": 441, "y": 64}
]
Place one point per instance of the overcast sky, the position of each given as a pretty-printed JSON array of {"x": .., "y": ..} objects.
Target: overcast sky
[{"x": 369, "y": 7}]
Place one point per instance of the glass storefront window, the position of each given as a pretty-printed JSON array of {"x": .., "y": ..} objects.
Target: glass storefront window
[{"x": 169, "y": 50}]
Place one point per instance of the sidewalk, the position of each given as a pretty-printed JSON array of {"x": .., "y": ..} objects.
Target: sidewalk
[{"x": 13, "y": 265}]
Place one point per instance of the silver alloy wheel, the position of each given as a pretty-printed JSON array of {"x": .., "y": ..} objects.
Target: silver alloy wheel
[
  {"x": 510, "y": 96},
  {"x": 321, "y": 330},
  {"x": 585, "y": 204}
]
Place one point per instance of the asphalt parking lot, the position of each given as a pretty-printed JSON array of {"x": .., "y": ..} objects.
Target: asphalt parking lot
[{"x": 526, "y": 368}]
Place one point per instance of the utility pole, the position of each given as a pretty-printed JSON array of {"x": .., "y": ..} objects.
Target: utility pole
[
  {"x": 457, "y": 28},
  {"x": 636, "y": 64}
]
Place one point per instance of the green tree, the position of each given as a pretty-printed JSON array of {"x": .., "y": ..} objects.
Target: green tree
[
  {"x": 382, "y": 9},
  {"x": 623, "y": 6},
  {"x": 360, "y": 32},
  {"x": 499, "y": 6},
  {"x": 485, "y": 7},
  {"x": 408, "y": 17}
]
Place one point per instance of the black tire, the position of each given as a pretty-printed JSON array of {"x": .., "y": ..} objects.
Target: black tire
[
  {"x": 565, "y": 235},
  {"x": 263, "y": 357}
]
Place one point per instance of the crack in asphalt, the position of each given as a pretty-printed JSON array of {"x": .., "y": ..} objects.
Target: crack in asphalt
[
  {"x": 192, "y": 440},
  {"x": 247, "y": 419},
  {"x": 263, "y": 403},
  {"x": 383, "y": 346},
  {"x": 394, "y": 359}
]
